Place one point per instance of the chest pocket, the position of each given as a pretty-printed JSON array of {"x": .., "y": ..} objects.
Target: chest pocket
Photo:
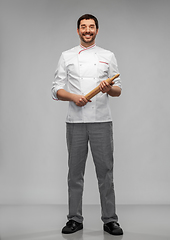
[{"x": 103, "y": 70}]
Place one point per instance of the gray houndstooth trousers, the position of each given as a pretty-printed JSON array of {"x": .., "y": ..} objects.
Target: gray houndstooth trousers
[{"x": 100, "y": 138}]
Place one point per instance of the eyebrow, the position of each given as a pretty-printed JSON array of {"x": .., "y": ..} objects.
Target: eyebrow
[{"x": 83, "y": 25}]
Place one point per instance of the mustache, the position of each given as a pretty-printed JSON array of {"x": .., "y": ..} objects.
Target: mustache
[{"x": 87, "y": 33}]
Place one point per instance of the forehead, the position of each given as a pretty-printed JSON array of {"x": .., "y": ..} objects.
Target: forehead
[{"x": 87, "y": 22}]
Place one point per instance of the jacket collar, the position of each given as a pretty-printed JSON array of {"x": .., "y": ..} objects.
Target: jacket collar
[{"x": 84, "y": 48}]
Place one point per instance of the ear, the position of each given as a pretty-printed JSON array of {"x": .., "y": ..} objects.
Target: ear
[{"x": 78, "y": 31}]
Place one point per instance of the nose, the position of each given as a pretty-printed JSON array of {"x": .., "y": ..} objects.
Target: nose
[{"x": 87, "y": 29}]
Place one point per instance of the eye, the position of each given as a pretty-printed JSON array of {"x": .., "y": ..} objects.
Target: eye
[{"x": 92, "y": 26}]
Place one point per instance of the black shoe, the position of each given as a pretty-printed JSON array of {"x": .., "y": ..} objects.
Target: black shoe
[
  {"x": 72, "y": 227},
  {"x": 113, "y": 228}
]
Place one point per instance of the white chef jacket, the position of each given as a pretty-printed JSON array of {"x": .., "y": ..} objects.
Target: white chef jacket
[{"x": 82, "y": 69}]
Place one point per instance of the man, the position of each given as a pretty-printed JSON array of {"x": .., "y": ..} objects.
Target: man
[{"x": 83, "y": 68}]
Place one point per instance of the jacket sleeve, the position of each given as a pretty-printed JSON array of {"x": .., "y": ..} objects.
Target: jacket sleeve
[
  {"x": 60, "y": 78},
  {"x": 113, "y": 70}
]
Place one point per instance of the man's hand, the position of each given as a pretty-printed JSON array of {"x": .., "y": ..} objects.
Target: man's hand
[
  {"x": 105, "y": 86},
  {"x": 80, "y": 100},
  {"x": 112, "y": 90}
]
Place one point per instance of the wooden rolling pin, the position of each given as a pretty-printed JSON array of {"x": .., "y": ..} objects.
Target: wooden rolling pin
[{"x": 96, "y": 90}]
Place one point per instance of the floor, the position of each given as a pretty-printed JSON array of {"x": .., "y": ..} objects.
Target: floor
[{"x": 44, "y": 222}]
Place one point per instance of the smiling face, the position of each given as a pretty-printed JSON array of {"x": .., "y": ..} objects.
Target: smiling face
[{"x": 87, "y": 32}]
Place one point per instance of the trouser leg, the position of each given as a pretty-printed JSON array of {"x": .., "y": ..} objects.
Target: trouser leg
[
  {"x": 77, "y": 143},
  {"x": 101, "y": 143}
]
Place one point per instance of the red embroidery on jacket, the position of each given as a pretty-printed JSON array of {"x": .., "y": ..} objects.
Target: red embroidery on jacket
[{"x": 103, "y": 62}]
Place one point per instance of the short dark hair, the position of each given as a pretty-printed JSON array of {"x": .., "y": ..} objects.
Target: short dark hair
[{"x": 87, "y": 16}]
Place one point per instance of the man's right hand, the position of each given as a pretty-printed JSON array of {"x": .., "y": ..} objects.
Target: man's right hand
[{"x": 80, "y": 100}]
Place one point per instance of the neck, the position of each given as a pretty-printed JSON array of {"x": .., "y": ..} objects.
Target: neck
[{"x": 86, "y": 45}]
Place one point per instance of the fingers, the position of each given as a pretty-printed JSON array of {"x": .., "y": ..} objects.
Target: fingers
[
  {"x": 104, "y": 86},
  {"x": 82, "y": 101}
]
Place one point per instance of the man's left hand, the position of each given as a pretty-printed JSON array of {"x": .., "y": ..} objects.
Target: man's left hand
[{"x": 104, "y": 87}]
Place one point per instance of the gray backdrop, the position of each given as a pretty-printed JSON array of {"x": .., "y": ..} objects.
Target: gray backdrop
[{"x": 33, "y": 156}]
